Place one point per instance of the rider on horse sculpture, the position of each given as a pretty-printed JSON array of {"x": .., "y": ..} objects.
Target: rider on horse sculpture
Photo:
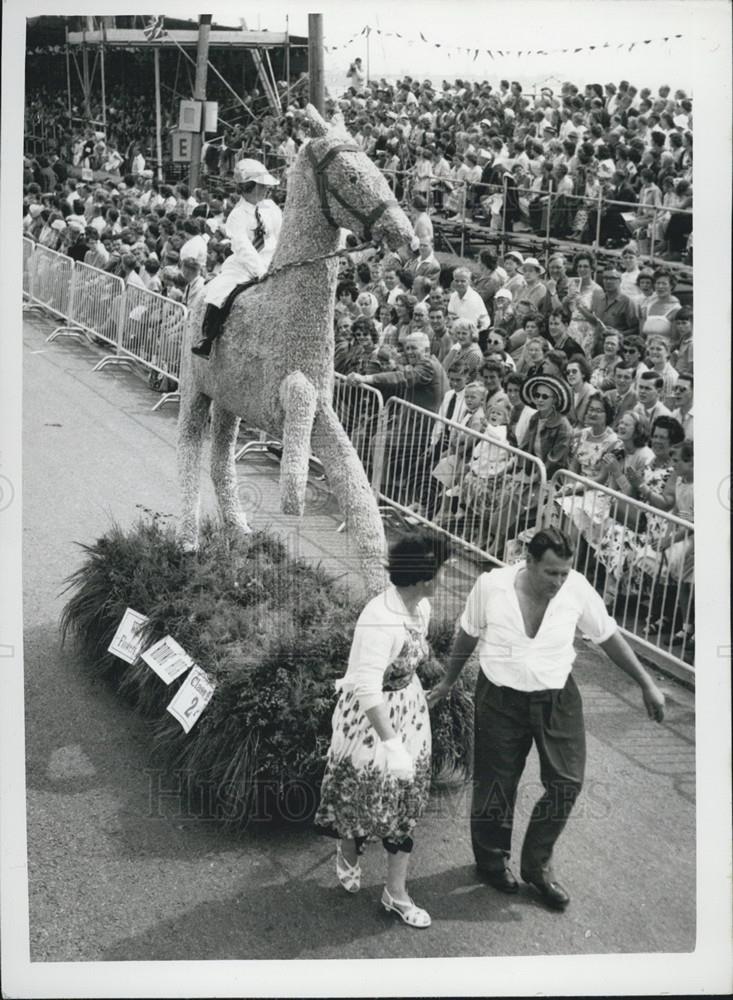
[{"x": 253, "y": 227}]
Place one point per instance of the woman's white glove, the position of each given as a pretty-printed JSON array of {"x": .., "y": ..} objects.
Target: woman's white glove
[{"x": 397, "y": 760}]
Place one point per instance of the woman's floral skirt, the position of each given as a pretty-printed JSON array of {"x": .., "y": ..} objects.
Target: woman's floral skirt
[{"x": 359, "y": 798}]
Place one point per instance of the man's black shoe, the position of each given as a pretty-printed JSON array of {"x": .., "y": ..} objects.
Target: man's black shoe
[
  {"x": 203, "y": 348},
  {"x": 551, "y": 891},
  {"x": 499, "y": 878}
]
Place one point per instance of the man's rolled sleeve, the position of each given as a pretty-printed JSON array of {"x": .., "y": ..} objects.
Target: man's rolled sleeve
[
  {"x": 473, "y": 617},
  {"x": 595, "y": 621}
]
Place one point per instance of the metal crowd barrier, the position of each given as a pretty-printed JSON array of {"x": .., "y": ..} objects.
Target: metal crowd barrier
[
  {"x": 95, "y": 304},
  {"x": 144, "y": 328},
  {"x": 621, "y": 546},
  {"x": 151, "y": 332},
  {"x": 50, "y": 281},
  {"x": 482, "y": 493},
  {"x": 28, "y": 248},
  {"x": 359, "y": 408}
]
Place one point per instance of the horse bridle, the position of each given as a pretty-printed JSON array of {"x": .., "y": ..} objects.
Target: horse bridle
[{"x": 325, "y": 188}]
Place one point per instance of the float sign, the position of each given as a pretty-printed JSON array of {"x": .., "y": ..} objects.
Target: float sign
[
  {"x": 128, "y": 642},
  {"x": 191, "y": 698},
  {"x": 167, "y": 659}
]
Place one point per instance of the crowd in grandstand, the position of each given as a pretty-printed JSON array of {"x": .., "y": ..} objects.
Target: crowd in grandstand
[{"x": 586, "y": 368}]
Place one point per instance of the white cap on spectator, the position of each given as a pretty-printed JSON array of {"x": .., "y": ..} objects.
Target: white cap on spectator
[
  {"x": 503, "y": 293},
  {"x": 35, "y": 210},
  {"x": 58, "y": 224}
]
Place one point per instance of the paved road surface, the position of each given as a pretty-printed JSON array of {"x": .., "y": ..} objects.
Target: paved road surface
[{"x": 118, "y": 870}]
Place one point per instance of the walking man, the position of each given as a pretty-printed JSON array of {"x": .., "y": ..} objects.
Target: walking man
[{"x": 524, "y": 617}]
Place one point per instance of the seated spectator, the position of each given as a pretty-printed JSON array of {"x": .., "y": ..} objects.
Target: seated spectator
[
  {"x": 503, "y": 312},
  {"x": 512, "y": 263},
  {"x": 491, "y": 374},
  {"x": 603, "y": 365},
  {"x": 662, "y": 302},
  {"x": 465, "y": 302},
  {"x": 577, "y": 375},
  {"x": 483, "y": 492},
  {"x": 353, "y": 354},
  {"x": 520, "y": 411},
  {"x": 649, "y": 388},
  {"x": 441, "y": 340},
  {"x": 682, "y": 396},
  {"x": 622, "y": 393},
  {"x": 679, "y": 226},
  {"x": 465, "y": 348},
  {"x": 453, "y": 465},
  {"x": 587, "y": 509},
  {"x": 629, "y": 534},
  {"x": 533, "y": 355},
  {"x": 534, "y": 291},
  {"x": 346, "y": 296},
  {"x": 555, "y": 363},
  {"x": 682, "y": 357},
  {"x": 657, "y": 352},
  {"x": 558, "y": 333}
]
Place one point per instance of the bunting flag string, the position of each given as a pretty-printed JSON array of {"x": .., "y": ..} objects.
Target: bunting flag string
[{"x": 368, "y": 30}]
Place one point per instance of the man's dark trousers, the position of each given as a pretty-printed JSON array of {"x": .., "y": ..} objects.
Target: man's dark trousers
[{"x": 506, "y": 723}]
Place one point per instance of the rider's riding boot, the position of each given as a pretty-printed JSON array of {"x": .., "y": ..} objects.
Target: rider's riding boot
[{"x": 211, "y": 329}]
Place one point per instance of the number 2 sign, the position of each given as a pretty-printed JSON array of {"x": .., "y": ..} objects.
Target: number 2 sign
[{"x": 191, "y": 698}]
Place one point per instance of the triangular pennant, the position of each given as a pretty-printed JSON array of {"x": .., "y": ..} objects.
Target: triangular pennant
[
  {"x": 631, "y": 46},
  {"x": 500, "y": 52},
  {"x": 490, "y": 53},
  {"x": 519, "y": 53},
  {"x": 423, "y": 37},
  {"x": 578, "y": 50},
  {"x": 591, "y": 47},
  {"x": 475, "y": 55},
  {"x": 647, "y": 41}
]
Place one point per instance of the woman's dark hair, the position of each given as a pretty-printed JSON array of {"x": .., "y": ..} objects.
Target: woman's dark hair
[
  {"x": 409, "y": 302},
  {"x": 363, "y": 273},
  {"x": 673, "y": 427},
  {"x": 557, "y": 358},
  {"x": 582, "y": 362},
  {"x": 583, "y": 255},
  {"x": 514, "y": 378},
  {"x": 550, "y": 539},
  {"x": 663, "y": 272},
  {"x": 347, "y": 286},
  {"x": 415, "y": 556},
  {"x": 561, "y": 313},
  {"x": 362, "y": 324}
]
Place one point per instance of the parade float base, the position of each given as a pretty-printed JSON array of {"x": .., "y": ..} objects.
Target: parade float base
[{"x": 272, "y": 633}]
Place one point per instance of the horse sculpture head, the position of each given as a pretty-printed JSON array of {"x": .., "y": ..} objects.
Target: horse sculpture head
[{"x": 353, "y": 193}]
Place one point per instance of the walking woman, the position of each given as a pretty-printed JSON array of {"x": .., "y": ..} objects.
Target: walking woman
[{"x": 377, "y": 776}]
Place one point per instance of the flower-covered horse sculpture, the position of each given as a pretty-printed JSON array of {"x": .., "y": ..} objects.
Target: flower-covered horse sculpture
[{"x": 273, "y": 364}]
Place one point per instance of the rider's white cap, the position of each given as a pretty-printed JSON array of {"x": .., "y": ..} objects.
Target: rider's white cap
[{"x": 252, "y": 170}]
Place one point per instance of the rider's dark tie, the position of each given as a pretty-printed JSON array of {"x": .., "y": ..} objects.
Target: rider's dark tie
[{"x": 258, "y": 240}]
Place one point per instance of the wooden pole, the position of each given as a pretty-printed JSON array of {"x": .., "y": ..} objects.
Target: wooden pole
[
  {"x": 199, "y": 94},
  {"x": 287, "y": 55},
  {"x": 158, "y": 125},
  {"x": 68, "y": 71},
  {"x": 315, "y": 62},
  {"x": 104, "y": 89}
]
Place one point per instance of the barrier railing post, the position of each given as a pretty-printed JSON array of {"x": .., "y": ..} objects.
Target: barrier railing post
[
  {"x": 504, "y": 185},
  {"x": 599, "y": 212}
]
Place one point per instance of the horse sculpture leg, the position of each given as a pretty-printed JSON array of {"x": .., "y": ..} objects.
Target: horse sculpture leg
[
  {"x": 224, "y": 427},
  {"x": 191, "y": 425},
  {"x": 350, "y": 486},
  {"x": 298, "y": 397}
]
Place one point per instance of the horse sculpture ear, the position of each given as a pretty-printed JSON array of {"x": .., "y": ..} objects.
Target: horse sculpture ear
[{"x": 318, "y": 125}]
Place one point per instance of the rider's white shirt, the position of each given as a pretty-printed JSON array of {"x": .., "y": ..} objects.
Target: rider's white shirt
[{"x": 245, "y": 262}]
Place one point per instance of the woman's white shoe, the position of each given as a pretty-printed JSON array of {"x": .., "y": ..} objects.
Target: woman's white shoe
[
  {"x": 348, "y": 875},
  {"x": 405, "y": 910}
]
